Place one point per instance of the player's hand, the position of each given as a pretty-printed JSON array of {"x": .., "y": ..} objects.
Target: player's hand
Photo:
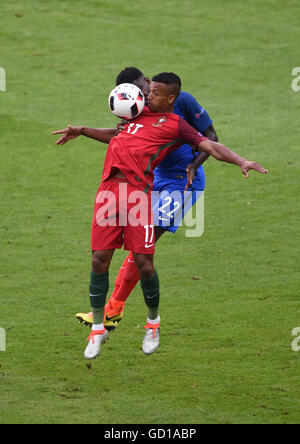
[
  {"x": 68, "y": 134},
  {"x": 247, "y": 165},
  {"x": 190, "y": 172}
]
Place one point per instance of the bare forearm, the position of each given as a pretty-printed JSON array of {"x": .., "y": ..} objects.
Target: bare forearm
[
  {"x": 103, "y": 135},
  {"x": 221, "y": 152},
  {"x": 199, "y": 160},
  {"x": 211, "y": 134}
]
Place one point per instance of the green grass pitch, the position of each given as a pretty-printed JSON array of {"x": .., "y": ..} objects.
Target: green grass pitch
[{"x": 225, "y": 354}]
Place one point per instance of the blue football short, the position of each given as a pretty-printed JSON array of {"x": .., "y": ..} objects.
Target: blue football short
[{"x": 170, "y": 203}]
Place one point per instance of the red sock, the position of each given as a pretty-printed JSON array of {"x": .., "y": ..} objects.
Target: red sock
[
  {"x": 130, "y": 278},
  {"x": 119, "y": 278}
]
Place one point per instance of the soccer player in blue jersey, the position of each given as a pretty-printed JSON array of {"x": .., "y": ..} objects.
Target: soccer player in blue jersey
[{"x": 170, "y": 176}]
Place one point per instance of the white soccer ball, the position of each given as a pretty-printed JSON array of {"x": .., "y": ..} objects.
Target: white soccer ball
[{"x": 126, "y": 101}]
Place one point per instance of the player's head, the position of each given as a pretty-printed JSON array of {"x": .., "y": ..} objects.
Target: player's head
[
  {"x": 164, "y": 90},
  {"x": 135, "y": 76}
]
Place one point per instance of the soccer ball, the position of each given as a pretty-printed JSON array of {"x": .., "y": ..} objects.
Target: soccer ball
[{"x": 126, "y": 101}]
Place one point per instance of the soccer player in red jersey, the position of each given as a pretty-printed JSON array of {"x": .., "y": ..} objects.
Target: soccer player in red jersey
[
  {"x": 131, "y": 158},
  {"x": 188, "y": 108}
]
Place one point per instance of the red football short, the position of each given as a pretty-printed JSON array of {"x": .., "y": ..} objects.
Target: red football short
[{"x": 122, "y": 216}]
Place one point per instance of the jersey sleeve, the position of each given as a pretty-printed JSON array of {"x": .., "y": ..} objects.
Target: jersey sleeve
[
  {"x": 188, "y": 134},
  {"x": 193, "y": 112}
]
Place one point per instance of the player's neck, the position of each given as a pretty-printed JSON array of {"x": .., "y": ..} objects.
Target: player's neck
[{"x": 167, "y": 109}]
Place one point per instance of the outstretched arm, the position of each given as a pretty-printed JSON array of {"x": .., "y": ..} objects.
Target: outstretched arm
[
  {"x": 215, "y": 149},
  {"x": 103, "y": 135},
  {"x": 224, "y": 154}
]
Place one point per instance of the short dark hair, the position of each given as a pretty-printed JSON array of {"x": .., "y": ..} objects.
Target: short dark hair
[
  {"x": 129, "y": 75},
  {"x": 170, "y": 79}
]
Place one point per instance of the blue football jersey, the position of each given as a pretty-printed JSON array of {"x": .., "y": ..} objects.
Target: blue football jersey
[{"x": 187, "y": 107}]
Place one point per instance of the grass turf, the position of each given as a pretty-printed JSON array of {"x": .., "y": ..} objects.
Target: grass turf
[{"x": 230, "y": 298}]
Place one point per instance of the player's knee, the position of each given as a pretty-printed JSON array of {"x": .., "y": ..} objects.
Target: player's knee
[
  {"x": 146, "y": 270},
  {"x": 144, "y": 263},
  {"x": 100, "y": 262}
]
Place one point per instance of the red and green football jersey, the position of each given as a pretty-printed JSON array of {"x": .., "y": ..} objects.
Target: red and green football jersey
[{"x": 144, "y": 143}]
